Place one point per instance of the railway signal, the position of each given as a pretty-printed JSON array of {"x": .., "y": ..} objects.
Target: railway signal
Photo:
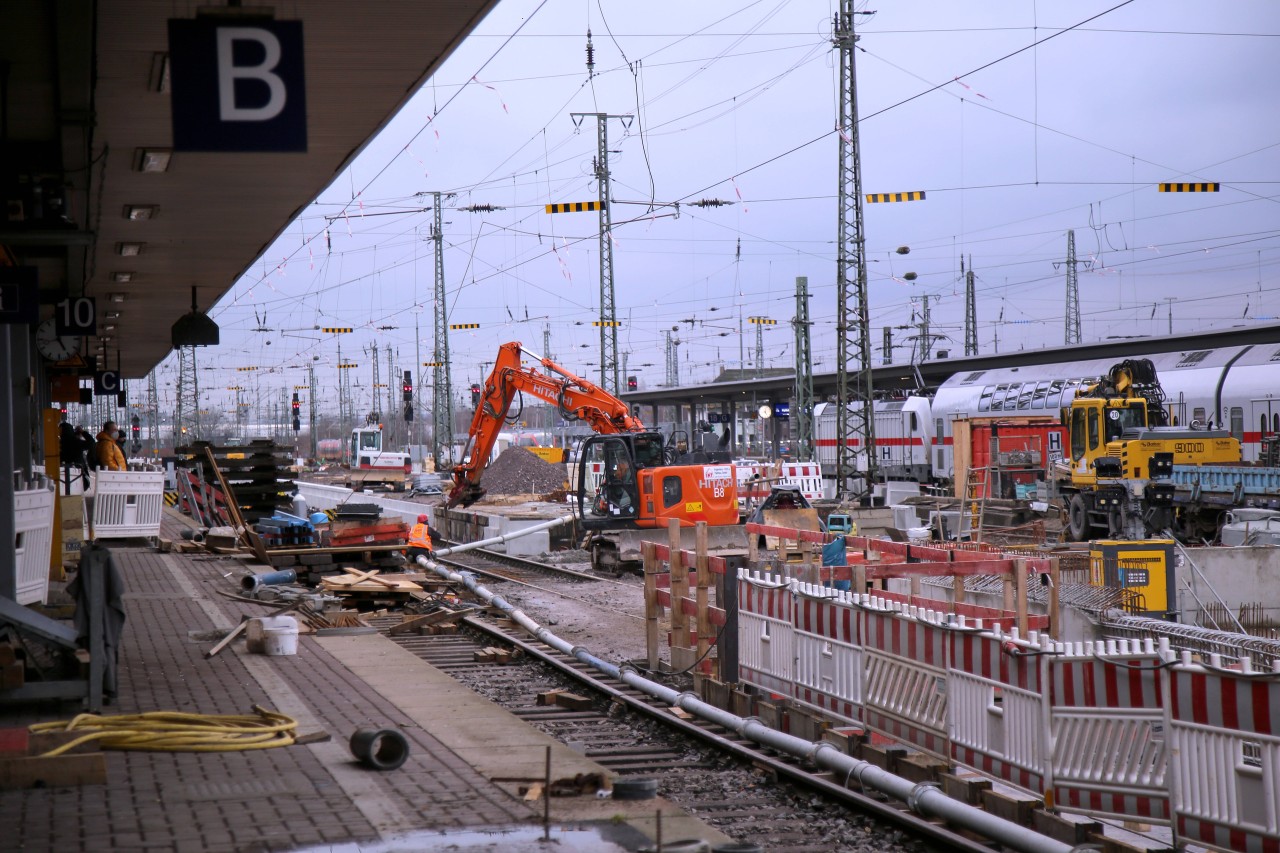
[
  {"x": 475, "y": 394},
  {"x": 297, "y": 413}
]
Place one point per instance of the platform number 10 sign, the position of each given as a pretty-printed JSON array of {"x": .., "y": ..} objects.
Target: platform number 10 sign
[{"x": 76, "y": 316}]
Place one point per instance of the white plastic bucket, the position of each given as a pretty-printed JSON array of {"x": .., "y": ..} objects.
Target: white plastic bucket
[{"x": 280, "y": 635}]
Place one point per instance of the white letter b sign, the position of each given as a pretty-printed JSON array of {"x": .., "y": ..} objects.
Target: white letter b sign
[{"x": 237, "y": 86}]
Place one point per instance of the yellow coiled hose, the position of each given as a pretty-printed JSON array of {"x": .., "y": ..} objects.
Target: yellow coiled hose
[{"x": 174, "y": 731}]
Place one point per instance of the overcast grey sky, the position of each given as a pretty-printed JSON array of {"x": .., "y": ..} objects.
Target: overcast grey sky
[{"x": 737, "y": 102}]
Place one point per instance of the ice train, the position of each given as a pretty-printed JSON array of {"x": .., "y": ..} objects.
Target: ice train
[{"x": 1236, "y": 388}]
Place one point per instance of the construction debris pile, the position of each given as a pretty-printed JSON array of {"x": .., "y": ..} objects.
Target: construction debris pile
[{"x": 518, "y": 472}]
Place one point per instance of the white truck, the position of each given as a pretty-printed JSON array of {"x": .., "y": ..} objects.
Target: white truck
[{"x": 368, "y": 464}]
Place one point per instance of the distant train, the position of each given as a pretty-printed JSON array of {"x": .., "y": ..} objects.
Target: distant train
[{"x": 1236, "y": 388}]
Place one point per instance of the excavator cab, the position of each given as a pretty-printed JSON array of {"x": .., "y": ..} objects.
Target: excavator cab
[{"x": 623, "y": 481}]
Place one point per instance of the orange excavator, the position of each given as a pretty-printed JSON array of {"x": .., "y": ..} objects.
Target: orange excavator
[{"x": 624, "y": 480}]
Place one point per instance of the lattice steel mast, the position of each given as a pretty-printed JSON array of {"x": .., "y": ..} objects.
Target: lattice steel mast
[
  {"x": 609, "y": 378},
  {"x": 441, "y": 392},
  {"x": 802, "y": 397},
  {"x": 970, "y": 310},
  {"x": 1073, "y": 292},
  {"x": 855, "y": 425},
  {"x": 186, "y": 419}
]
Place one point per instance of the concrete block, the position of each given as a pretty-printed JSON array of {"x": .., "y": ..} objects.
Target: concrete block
[
  {"x": 282, "y": 562},
  {"x": 965, "y": 789},
  {"x": 1064, "y": 829}
]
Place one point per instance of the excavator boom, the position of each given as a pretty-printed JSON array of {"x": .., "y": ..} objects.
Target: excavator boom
[{"x": 575, "y": 398}]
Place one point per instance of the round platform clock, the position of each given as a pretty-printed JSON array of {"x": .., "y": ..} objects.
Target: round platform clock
[{"x": 53, "y": 346}]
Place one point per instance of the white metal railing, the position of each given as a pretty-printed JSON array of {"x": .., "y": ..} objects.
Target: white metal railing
[{"x": 1116, "y": 728}]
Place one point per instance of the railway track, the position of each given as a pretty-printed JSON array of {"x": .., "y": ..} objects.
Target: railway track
[
  {"x": 517, "y": 569},
  {"x": 745, "y": 790}
]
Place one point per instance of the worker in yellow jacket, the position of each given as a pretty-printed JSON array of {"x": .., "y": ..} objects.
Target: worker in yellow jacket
[{"x": 420, "y": 539}]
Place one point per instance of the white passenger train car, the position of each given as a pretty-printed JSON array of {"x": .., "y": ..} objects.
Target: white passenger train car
[
  {"x": 904, "y": 434},
  {"x": 1236, "y": 388}
]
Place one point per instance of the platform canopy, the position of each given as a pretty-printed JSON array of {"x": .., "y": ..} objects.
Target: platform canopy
[{"x": 87, "y": 159}]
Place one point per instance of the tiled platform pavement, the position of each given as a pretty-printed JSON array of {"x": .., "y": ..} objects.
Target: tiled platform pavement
[{"x": 313, "y": 796}]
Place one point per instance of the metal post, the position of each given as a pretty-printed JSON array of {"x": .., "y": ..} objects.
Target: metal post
[
  {"x": 442, "y": 393},
  {"x": 855, "y": 424},
  {"x": 8, "y": 559},
  {"x": 802, "y": 397},
  {"x": 311, "y": 404},
  {"x": 608, "y": 309},
  {"x": 1073, "y": 293},
  {"x": 970, "y": 310}
]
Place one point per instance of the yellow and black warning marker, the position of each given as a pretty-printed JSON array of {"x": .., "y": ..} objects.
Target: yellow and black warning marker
[
  {"x": 762, "y": 321},
  {"x": 336, "y": 330},
  {"x": 433, "y": 364},
  {"x": 877, "y": 198},
  {"x": 1191, "y": 188},
  {"x": 347, "y": 366},
  {"x": 573, "y": 207},
  {"x": 612, "y": 324},
  {"x": 455, "y": 326}
]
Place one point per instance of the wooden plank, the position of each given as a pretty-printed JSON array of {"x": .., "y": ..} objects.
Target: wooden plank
[
  {"x": 259, "y": 550},
  {"x": 412, "y": 624},
  {"x": 61, "y": 771}
]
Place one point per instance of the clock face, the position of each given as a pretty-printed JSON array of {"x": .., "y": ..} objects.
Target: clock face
[{"x": 55, "y": 347}]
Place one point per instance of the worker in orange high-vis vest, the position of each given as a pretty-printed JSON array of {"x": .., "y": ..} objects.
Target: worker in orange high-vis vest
[{"x": 420, "y": 539}]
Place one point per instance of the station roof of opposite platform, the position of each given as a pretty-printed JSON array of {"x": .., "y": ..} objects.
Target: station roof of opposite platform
[
  {"x": 890, "y": 378},
  {"x": 86, "y": 99}
]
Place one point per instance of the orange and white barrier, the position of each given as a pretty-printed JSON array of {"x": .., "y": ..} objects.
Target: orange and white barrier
[
  {"x": 1224, "y": 738},
  {"x": 765, "y": 619},
  {"x": 1106, "y": 724},
  {"x": 829, "y": 661},
  {"x": 995, "y": 698},
  {"x": 907, "y": 652}
]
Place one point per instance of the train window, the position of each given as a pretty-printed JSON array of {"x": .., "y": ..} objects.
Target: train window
[
  {"x": 1193, "y": 358},
  {"x": 672, "y": 492},
  {"x": 1275, "y": 422},
  {"x": 1093, "y": 428},
  {"x": 1040, "y": 400},
  {"x": 984, "y": 402},
  {"x": 937, "y": 426},
  {"x": 1237, "y": 422},
  {"x": 915, "y": 424}
]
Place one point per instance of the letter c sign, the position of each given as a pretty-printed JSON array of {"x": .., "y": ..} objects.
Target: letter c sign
[{"x": 237, "y": 85}]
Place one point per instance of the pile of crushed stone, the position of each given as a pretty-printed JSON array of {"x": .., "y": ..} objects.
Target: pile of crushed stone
[{"x": 518, "y": 472}]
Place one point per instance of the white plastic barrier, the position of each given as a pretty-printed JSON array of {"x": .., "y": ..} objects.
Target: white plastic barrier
[
  {"x": 766, "y": 633},
  {"x": 1224, "y": 735},
  {"x": 996, "y": 705},
  {"x": 828, "y": 654},
  {"x": 127, "y": 503},
  {"x": 906, "y": 651},
  {"x": 1106, "y": 724},
  {"x": 33, "y": 530}
]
